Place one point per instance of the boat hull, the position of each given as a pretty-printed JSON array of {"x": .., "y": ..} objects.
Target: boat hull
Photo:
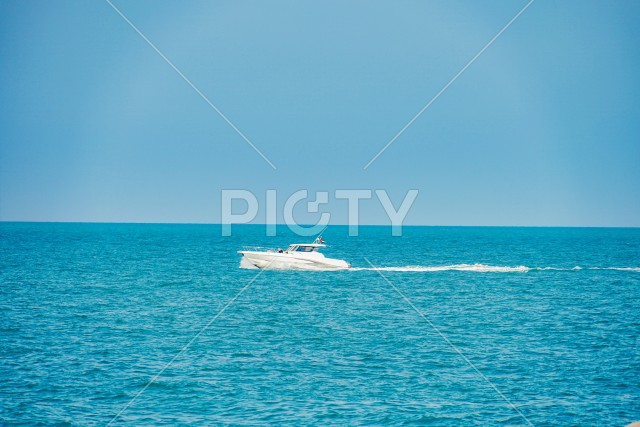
[{"x": 291, "y": 261}]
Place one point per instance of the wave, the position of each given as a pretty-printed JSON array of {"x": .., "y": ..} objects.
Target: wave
[{"x": 247, "y": 265}]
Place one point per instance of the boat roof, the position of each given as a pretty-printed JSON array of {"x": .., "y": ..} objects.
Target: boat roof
[{"x": 313, "y": 245}]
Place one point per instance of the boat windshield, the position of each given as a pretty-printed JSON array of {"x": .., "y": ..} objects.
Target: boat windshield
[{"x": 302, "y": 248}]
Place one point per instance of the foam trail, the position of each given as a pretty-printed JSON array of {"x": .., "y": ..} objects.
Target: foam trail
[
  {"x": 478, "y": 268},
  {"x": 634, "y": 269},
  {"x": 483, "y": 268}
]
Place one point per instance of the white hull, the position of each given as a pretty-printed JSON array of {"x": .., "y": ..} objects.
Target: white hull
[{"x": 292, "y": 261}]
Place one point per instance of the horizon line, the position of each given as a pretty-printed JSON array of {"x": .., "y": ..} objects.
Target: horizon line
[{"x": 311, "y": 225}]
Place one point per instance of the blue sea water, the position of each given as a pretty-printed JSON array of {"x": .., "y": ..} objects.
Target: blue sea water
[{"x": 118, "y": 324}]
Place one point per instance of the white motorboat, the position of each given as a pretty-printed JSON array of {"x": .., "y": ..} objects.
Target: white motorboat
[{"x": 298, "y": 256}]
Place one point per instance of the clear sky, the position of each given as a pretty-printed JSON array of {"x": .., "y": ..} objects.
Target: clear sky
[{"x": 542, "y": 129}]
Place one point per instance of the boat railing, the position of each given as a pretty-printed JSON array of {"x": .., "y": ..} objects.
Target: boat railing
[{"x": 258, "y": 249}]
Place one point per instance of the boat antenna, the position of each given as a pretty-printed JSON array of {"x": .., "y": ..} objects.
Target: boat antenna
[{"x": 320, "y": 233}]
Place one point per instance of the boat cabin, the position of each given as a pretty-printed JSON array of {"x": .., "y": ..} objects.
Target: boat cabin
[{"x": 305, "y": 247}]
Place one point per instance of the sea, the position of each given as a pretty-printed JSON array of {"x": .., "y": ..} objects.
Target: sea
[{"x": 157, "y": 325}]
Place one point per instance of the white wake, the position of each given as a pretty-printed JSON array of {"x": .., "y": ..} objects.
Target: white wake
[
  {"x": 477, "y": 268},
  {"x": 483, "y": 268}
]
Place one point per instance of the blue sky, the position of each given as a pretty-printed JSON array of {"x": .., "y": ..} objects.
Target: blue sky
[{"x": 543, "y": 129}]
